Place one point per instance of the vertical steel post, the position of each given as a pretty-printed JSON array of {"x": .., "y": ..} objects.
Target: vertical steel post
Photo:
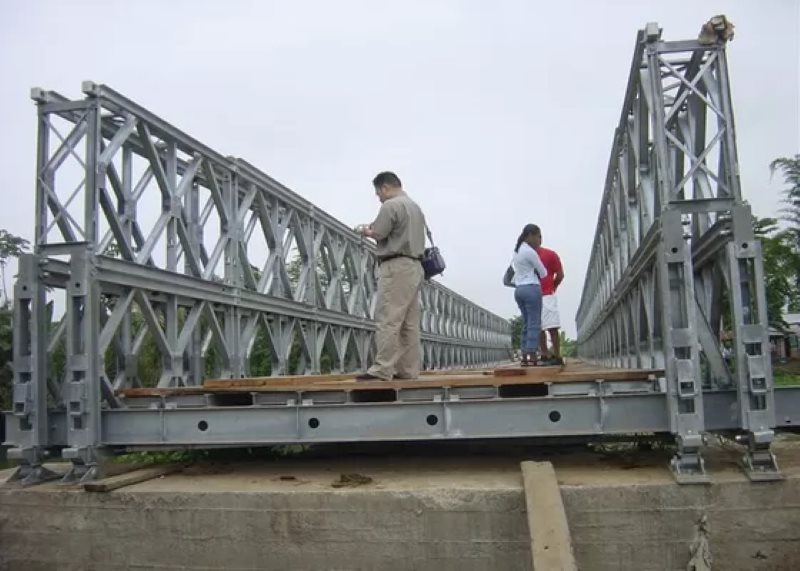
[
  {"x": 29, "y": 390},
  {"x": 83, "y": 383},
  {"x": 753, "y": 370}
]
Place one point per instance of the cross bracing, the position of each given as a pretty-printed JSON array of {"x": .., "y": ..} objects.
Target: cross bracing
[
  {"x": 675, "y": 268},
  {"x": 145, "y": 235}
]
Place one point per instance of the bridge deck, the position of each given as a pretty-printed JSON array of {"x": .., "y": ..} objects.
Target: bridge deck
[{"x": 501, "y": 376}]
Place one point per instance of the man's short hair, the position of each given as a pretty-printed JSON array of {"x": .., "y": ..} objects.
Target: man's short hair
[{"x": 387, "y": 178}]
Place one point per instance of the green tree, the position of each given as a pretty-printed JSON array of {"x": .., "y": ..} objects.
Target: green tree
[
  {"x": 6, "y": 355},
  {"x": 11, "y": 246},
  {"x": 789, "y": 167},
  {"x": 781, "y": 268},
  {"x": 261, "y": 357},
  {"x": 781, "y": 248},
  {"x": 569, "y": 347}
]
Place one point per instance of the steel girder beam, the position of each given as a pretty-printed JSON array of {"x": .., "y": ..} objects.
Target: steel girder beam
[
  {"x": 586, "y": 409},
  {"x": 152, "y": 237},
  {"x": 674, "y": 256}
]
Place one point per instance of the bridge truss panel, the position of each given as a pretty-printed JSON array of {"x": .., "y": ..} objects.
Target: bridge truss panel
[
  {"x": 145, "y": 236},
  {"x": 675, "y": 266}
]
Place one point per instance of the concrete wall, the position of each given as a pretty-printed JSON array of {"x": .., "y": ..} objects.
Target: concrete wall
[
  {"x": 614, "y": 527},
  {"x": 333, "y": 530},
  {"x": 751, "y": 526}
]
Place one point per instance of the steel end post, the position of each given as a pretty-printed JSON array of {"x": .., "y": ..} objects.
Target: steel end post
[{"x": 90, "y": 88}]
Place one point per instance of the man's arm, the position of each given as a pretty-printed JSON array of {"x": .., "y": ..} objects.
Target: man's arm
[
  {"x": 559, "y": 274},
  {"x": 382, "y": 226}
]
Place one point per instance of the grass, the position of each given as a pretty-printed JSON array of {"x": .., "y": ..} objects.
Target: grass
[
  {"x": 786, "y": 374},
  {"x": 214, "y": 455}
]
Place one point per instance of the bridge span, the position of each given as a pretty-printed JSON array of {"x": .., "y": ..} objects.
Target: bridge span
[{"x": 150, "y": 236}]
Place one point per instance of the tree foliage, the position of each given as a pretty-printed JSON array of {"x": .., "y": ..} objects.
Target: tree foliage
[
  {"x": 6, "y": 373},
  {"x": 781, "y": 247},
  {"x": 11, "y": 246},
  {"x": 789, "y": 167},
  {"x": 781, "y": 268},
  {"x": 569, "y": 347}
]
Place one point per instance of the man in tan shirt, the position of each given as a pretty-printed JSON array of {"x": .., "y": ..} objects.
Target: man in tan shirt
[{"x": 399, "y": 231}]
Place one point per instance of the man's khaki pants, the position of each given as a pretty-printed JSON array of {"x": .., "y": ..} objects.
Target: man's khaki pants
[{"x": 397, "y": 317}]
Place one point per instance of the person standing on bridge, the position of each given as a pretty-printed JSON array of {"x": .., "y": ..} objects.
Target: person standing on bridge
[
  {"x": 399, "y": 231},
  {"x": 551, "y": 320},
  {"x": 528, "y": 271}
]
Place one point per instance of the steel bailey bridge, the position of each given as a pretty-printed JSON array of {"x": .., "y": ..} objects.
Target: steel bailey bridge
[{"x": 152, "y": 237}]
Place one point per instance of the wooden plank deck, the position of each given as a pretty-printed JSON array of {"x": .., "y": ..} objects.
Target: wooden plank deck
[{"x": 501, "y": 376}]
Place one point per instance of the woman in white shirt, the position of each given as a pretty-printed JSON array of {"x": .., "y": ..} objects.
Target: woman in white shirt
[{"x": 528, "y": 270}]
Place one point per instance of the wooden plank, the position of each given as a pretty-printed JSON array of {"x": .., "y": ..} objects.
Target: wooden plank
[
  {"x": 130, "y": 478},
  {"x": 551, "y": 544},
  {"x": 510, "y": 370},
  {"x": 529, "y": 376},
  {"x": 295, "y": 380},
  {"x": 539, "y": 375},
  {"x": 578, "y": 373},
  {"x": 285, "y": 381},
  {"x": 518, "y": 371}
]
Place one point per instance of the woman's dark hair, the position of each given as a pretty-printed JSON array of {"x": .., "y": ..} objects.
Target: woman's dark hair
[{"x": 530, "y": 229}]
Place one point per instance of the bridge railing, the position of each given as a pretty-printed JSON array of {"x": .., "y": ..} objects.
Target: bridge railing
[
  {"x": 675, "y": 267},
  {"x": 154, "y": 239}
]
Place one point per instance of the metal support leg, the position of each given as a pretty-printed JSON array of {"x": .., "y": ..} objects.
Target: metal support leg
[
  {"x": 753, "y": 373},
  {"x": 81, "y": 472},
  {"x": 29, "y": 400},
  {"x": 681, "y": 345},
  {"x": 83, "y": 391},
  {"x": 688, "y": 466},
  {"x": 29, "y": 391},
  {"x": 759, "y": 463},
  {"x": 31, "y": 474}
]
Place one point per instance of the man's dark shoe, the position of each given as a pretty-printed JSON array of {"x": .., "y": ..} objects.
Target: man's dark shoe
[{"x": 368, "y": 377}]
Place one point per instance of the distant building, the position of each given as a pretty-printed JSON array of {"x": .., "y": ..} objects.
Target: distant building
[
  {"x": 779, "y": 346},
  {"x": 792, "y": 335},
  {"x": 784, "y": 343}
]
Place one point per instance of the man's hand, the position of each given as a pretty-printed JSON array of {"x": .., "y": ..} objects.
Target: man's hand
[{"x": 365, "y": 230}]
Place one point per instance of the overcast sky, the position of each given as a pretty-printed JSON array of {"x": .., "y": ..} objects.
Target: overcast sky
[{"x": 493, "y": 114}]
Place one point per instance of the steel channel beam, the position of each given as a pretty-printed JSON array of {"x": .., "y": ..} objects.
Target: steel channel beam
[
  {"x": 117, "y": 275},
  {"x": 578, "y": 415}
]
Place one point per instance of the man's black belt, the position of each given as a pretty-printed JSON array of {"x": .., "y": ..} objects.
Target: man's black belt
[{"x": 393, "y": 256}]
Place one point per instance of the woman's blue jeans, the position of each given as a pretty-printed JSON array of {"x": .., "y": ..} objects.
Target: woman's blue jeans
[{"x": 529, "y": 300}]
